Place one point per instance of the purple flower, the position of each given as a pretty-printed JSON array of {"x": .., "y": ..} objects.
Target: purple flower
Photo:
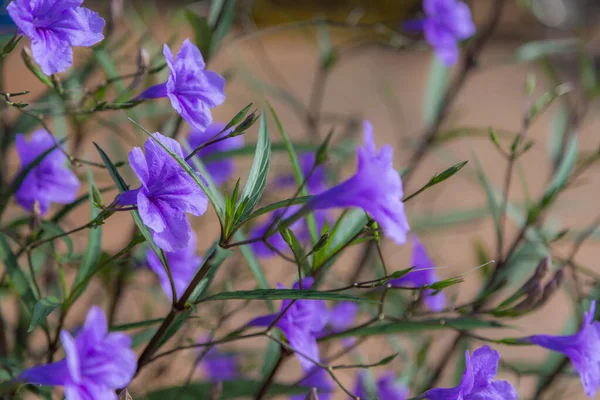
[
  {"x": 166, "y": 194},
  {"x": 319, "y": 379},
  {"x": 183, "y": 264},
  {"x": 386, "y": 388},
  {"x": 219, "y": 366},
  {"x": 54, "y": 26},
  {"x": 477, "y": 381},
  {"x": 423, "y": 274},
  {"x": 96, "y": 363},
  {"x": 300, "y": 324},
  {"x": 317, "y": 182},
  {"x": 221, "y": 170},
  {"x": 376, "y": 188},
  {"x": 446, "y": 23},
  {"x": 583, "y": 348},
  {"x": 193, "y": 91},
  {"x": 342, "y": 316},
  {"x": 49, "y": 181}
]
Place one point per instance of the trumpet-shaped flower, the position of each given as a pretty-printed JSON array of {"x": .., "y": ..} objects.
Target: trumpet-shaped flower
[
  {"x": 446, "y": 23},
  {"x": 166, "y": 194},
  {"x": 219, "y": 366},
  {"x": 582, "y": 348},
  {"x": 193, "y": 91},
  {"x": 423, "y": 274},
  {"x": 386, "y": 388},
  {"x": 221, "y": 170},
  {"x": 376, "y": 187},
  {"x": 47, "y": 182},
  {"x": 97, "y": 362},
  {"x": 183, "y": 264},
  {"x": 54, "y": 27},
  {"x": 300, "y": 324},
  {"x": 317, "y": 181},
  {"x": 477, "y": 381},
  {"x": 318, "y": 379}
]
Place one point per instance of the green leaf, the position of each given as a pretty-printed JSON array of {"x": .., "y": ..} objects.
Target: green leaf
[
  {"x": 93, "y": 251},
  {"x": 202, "y": 32},
  {"x": 285, "y": 294},
  {"x": 278, "y": 205},
  {"x": 439, "y": 178},
  {"x": 257, "y": 178},
  {"x": 560, "y": 123},
  {"x": 51, "y": 229},
  {"x": 562, "y": 173},
  {"x": 211, "y": 190},
  {"x": 437, "y": 84},
  {"x": 18, "y": 279},
  {"x": 389, "y": 328},
  {"x": 213, "y": 265},
  {"x": 42, "y": 309},
  {"x": 135, "y": 325},
  {"x": 492, "y": 198},
  {"x": 297, "y": 170},
  {"x": 221, "y": 24},
  {"x": 234, "y": 389},
  {"x": 541, "y": 48},
  {"x": 249, "y": 149},
  {"x": 327, "y": 52}
]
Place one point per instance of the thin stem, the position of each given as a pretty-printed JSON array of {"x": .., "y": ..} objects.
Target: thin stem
[{"x": 266, "y": 385}]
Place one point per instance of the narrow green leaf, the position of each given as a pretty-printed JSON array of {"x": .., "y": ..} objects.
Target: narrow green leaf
[
  {"x": 418, "y": 326},
  {"x": 202, "y": 32},
  {"x": 541, "y": 48},
  {"x": 284, "y": 294},
  {"x": 562, "y": 173},
  {"x": 560, "y": 123},
  {"x": 51, "y": 229},
  {"x": 93, "y": 251},
  {"x": 249, "y": 149},
  {"x": 257, "y": 177},
  {"x": 439, "y": 178},
  {"x": 135, "y": 325},
  {"x": 278, "y": 205},
  {"x": 42, "y": 309},
  {"x": 436, "y": 90},
  {"x": 17, "y": 277},
  {"x": 214, "y": 264},
  {"x": 297, "y": 170},
  {"x": 492, "y": 198}
]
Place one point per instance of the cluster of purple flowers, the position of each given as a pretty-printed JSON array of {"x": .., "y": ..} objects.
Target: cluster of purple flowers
[{"x": 97, "y": 362}]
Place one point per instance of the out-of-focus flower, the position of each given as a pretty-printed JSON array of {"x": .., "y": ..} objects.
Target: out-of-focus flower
[
  {"x": 183, "y": 264},
  {"x": 423, "y": 274},
  {"x": 318, "y": 379},
  {"x": 221, "y": 170},
  {"x": 193, "y": 91},
  {"x": 219, "y": 366},
  {"x": 376, "y": 187},
  {"x": 96, "y": 364},
  {"x": 300, "y": 324},
  {"x": 446, "y": 23},
  {"x": 477, "y": 381},
  {"x": 54, "y": 27},
  {"x": 49, "y": 181},
  {"x": 386, "y": 388},
  {"x": 317, "y": 181},
  {"x": 583, "y": 348},
  {"x": 166, "y": 194}
]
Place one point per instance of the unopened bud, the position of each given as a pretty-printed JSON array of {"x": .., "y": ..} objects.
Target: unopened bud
[
  {"x": 143, "y": 59},
  {"x": 534, "y": 295},
  {"x": 124, "y": 395},
  {"x": 540, "y": 272},
  {"x": 34, "y": 68},
  {"x": 551, "y": 287},
  {"x": 245, "y": 124}
]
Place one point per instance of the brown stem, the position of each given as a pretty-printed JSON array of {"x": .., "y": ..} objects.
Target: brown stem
[{"x": 264, "y": 388}]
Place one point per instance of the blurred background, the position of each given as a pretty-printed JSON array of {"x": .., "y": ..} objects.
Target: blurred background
[{"x": 325, "y": 65}]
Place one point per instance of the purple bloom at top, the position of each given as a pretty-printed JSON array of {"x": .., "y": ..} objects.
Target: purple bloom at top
[
  {"x": 96, "y": 364},
  {"x": 477, "y": 381},
  {"x": 193, "y": 91},
  {"x": 219, "y": 366},
  {"x": 221, "y": 170},
  {"x": 166, "y": 194},
  {"x": 376, "y": 187},
  {"x": 583, "y": 348},
  {"x": 317, "y": 182},
  {"x": 446, "y": 23},
  {"x": 300, "y": 324},
  {"x": 183, "y": 264},
  {"x": 54, "y": 27},
  {"x": 48, "y": 182},
  {"x": 423, "y": 274},
  {"x": 386, "y": 388},
  {"x": 319, "y": 379}
]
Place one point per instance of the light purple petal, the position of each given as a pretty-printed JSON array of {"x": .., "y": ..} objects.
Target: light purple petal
[
  {"x": 177, "y": 232},
  {"x": 73, "y": 361},
  {"x": 154, "y": 92},
  {"x": 54, "y": 374}
]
